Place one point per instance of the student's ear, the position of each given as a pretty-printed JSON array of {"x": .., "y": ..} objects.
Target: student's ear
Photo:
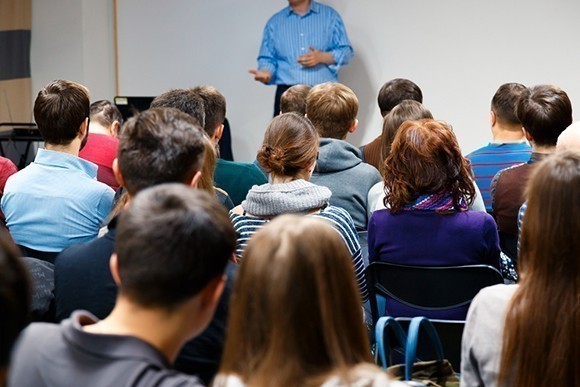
[
  {"x": 211, "y": 293},
  {"x": 528, "y": 135},
  {"x": 217, "y": 135},
  {"x": 114, "y": 267},
  {"x": 353, "y": 126},
  {"x": 195, "y": 179},
  {"x": 492, "y": 118},
  {"x": 115, "y": 126},
  {"x": 84, "y": 128},
  {"x": 117, "y": 173}
]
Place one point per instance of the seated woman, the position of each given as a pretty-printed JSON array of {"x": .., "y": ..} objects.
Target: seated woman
[
  {"x": 407, "y": 110},
  {"x": 289, "y": 154},
  {"x": 527, "y": 334},
  {"x": 427, "y": 222},
  {"x": 295, "y": 318}
]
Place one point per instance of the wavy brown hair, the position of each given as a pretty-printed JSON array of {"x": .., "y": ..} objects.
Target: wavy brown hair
[
  {"x": 541, "y": 340},
  {"x": 295, "y": 313},
  {"x": 425, "y": 158}
]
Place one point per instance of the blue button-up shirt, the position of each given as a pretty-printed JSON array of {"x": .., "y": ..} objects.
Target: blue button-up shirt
[
  {"x": 55, "y": 202},
  {"x": 288, "y": 35}
]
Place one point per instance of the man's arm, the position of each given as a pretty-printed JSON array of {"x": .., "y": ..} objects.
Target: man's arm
[{"x": 267, "y": 62}]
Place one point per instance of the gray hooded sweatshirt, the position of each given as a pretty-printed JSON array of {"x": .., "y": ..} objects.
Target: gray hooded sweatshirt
[{"x": 339, "y": 167}]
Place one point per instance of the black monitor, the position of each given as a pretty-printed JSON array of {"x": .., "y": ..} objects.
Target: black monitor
[{"x": 128, "y": 106}]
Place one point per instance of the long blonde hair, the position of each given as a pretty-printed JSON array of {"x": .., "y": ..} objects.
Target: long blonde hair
[
  {"x": 541, "y": 342},
  {"x": 295, "y": 313}
]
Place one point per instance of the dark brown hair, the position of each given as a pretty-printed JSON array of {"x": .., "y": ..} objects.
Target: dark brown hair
[
  {"x": 184, "y": 100},
  {"x": 294, "y": 99},
  {"x": 105, "y": 113},
  {"x": 171, "y": 242},
  {"x": 215, "y": 107},
  {"x": 295, "y": 311},
  {"x": 541, "y": 339},
  {"x": 60, "y": 109},
  {"x": 290, "y": 144},
  {"x": 396, "y": 91},
  {"x": 425, "y": 158},
  {"x": 14, "y": 297},
  {"x": 545, "y": 111},
  {"x": 504, "y": 102},
  {"x": 407, "y": 110},
  {"x": 332, "y": 108},
  {"x": 160, "y": 145}
]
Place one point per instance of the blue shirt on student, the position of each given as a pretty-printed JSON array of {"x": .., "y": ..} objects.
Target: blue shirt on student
[
  {"x": 55, "y": 202},
  {"x": 492, "y": 158},
  {"x": 288, "y": 35}
]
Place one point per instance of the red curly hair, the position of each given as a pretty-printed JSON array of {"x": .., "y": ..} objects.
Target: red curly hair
[{"x": 425, "y": 159}]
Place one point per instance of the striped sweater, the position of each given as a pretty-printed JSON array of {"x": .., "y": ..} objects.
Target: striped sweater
[{"x": 246, "y": 226}]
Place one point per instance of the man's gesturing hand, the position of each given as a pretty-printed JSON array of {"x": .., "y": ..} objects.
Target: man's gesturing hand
[
  {"x": 261, "y": 75},
  {"x": 315, "y": 57}
]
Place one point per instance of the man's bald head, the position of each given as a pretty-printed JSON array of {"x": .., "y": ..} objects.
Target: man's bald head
[{"x": 569, "y": 139}]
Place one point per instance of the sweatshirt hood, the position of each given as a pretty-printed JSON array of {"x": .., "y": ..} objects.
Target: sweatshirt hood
[{"x": 336, "y": 155}]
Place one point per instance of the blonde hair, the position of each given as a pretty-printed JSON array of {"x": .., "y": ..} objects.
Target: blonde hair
[{"x": 332, "y": 108}]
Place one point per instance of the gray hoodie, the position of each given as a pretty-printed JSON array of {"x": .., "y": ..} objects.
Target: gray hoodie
[{"x": 340, "y": 168}]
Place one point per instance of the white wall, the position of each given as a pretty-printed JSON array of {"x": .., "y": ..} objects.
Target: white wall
[{"x": 458, "y": 51}]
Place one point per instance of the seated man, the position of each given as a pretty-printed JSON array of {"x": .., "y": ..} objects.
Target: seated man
[
  {"x": 56, "y": 201},
  {"x": 332, "y": 108},
  {"x": 509, "y": 146},
  {"x": 544, "y": 111},
  {"x": 173, "y": 246},
  {"x": 157, "y": 146},
  {"x": 101, "y": 147},
  {"x": 391, "y": 94},
  {"x": 294, "y": 99},
  {"x": 233, "y": 177}
]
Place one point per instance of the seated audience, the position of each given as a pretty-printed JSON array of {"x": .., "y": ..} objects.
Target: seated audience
[
  {"x": 318, "y": 338},
  {"x": 509, "y": 146},
  {"x": 407, "y": 110},
  {"x": 7, "y": 169},
  {"x": 56, "y": 201},
  {"x": 101, "y": 146},
  {"x": 427, "y": 221},
  {"x": 527, "y": 334},
  {"x": 158, "y": 146},
  {"x": 293, "y": 100},
  {"x": 289, "y": 155},
  {"x": 391, "y": 94},
  {"x": 173, "y": 246},
  {"x": 14, "y": 300},
  {"x": 332, "y": 108},
  {"x": 544, "y": 111},
  {"x": 234, "y": 178}
]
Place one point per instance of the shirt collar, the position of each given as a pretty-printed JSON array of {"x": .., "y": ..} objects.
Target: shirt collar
[
  {"x": 109, "y": 346},
  {"x": 65, "y": 160},
  {"x": 314, "y": 8}
]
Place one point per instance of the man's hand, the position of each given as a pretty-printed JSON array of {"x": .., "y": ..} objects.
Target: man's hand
[
  {"x": 315, "y": 57},
  {"x": 261, "y": 75}
]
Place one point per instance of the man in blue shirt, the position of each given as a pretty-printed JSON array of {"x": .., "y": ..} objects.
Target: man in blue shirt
[
  {"x": 56, "y": 201},
  {"x": 305, "y": 43},
  {"x": 509, "y": 146}
]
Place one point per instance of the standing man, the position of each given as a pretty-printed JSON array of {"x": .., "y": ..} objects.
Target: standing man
[{"x": 305, "y": 43}]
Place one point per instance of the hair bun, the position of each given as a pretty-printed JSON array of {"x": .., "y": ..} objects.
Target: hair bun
[{"x": 271, "y": 159}]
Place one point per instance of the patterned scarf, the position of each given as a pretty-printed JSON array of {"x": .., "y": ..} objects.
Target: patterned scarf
[{"x": 439, "y": 202}]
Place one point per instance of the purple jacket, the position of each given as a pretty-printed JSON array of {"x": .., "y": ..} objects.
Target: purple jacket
[{"x": 427, "y": 238}]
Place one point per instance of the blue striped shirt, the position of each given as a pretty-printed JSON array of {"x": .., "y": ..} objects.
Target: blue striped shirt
[
  {"x": 288, "y": 35},
  {"x": 490, "y": 159},
  {"x": 55, "y": 202},
  {"x": 247, "y": 226}
]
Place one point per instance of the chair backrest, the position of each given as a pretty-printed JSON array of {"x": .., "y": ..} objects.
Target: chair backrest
[{"x": 428, "y": 288}]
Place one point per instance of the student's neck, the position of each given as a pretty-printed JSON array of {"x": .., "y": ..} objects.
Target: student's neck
[
  {"x": 97, "y": 128},
  {"x": 72, "y": 149},
  {"x": 157, "y": 327},
  {"x": 544, "y": 149},
  {"x": 275, "y": 179},
  {"x": 507, "y": 134},
  {"x": 301, "y": 8}
]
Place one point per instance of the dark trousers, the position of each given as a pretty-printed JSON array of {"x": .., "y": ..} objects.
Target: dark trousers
[{"x": 279, "y": 91}]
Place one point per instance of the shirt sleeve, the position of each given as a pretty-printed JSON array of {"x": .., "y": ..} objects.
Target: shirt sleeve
[
  {"x": 105, "y": 203},
  {"x": 492, "y": 255},
  {"x": 267, "y": 56},
  {"x": 470, "y": 375},
  {"x": 341, "y": 50}
]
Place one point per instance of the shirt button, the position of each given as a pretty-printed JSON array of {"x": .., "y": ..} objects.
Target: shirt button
[
  {"x": 302, "y": 48},
  {"x": 301, "y": 34}
]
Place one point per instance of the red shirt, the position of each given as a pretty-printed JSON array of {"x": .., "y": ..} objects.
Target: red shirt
[
  {"x": 7, "y": 169},
  {"x": 102, "y": 150}
]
